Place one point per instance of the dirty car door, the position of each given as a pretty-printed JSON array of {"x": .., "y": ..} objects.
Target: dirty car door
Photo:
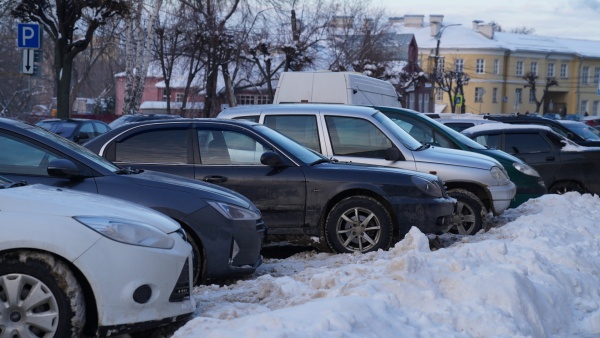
[{"x": 231, "y": 158}]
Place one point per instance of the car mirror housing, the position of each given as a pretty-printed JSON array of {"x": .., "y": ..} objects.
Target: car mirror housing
[
  {"x": 62, "y": 167},
  {"x": 272, "y": 159},
  {"x": 393, "y": 154}
]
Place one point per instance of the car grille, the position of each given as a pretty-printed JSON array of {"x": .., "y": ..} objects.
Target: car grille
[{"x": 182, "y": 290}]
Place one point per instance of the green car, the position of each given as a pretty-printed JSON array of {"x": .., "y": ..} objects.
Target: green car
[{"x": 428, "y": 131}]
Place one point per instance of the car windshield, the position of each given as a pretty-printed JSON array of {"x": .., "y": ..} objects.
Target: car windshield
[
  {"x": 75, "y": 147},
  {"x": 304, "y": 154},
  {"x": 407, "y": 140},
  {"x": 586, "y": 132}
]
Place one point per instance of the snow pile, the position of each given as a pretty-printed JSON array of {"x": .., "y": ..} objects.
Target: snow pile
[{"x": 537, "y": 275}]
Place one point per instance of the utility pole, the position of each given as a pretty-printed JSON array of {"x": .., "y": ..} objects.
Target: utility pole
[{"x": 434, "y": 76}]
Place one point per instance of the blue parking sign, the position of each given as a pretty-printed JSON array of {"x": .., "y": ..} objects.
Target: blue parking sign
[{"x": 28, "y": 35}]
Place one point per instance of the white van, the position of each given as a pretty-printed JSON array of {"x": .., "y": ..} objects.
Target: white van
[{"x": 335, "y": 87}]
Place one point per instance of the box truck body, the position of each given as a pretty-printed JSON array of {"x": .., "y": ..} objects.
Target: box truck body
[{"x": 335, "y": 87}]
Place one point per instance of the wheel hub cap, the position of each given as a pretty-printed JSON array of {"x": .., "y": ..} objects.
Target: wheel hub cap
[{"x": 15, "y": 316}]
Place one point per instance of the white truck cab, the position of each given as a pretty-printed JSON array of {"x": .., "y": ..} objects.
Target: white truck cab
[
  {"x": 364, "y": 135},
  {"x": 335, "y": 87}
]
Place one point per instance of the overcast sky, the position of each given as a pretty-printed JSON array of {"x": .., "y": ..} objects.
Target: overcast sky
[{"x": 579, "y": 19}]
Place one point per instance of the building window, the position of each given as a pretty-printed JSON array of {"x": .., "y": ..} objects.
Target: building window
[
  {"x": 179, "y": 97},
  {"x": 518, "y": 95},
  {"x": 441, "y": 62},
  {"x": 495, "y": 95},
  {"x": 550, "y": 70},
  {"x": 584, "y": 107},
  {"x": 563, "y": 71},
  {"x": 596, "y": 75},
  {"x": 480, "y": 66},
  {"x": 595, "y": 108},
  {"x": 459, "y": 65},
  {"x": 479, "y": 94},
  {"x": 439, "y": 94},
  {"x": 519, "y": 68},
  {"x": 263, "y": 99},
  {"x": 165, "y": 94},
  {"x": 496, "y": 66},
  {"x": 244, "y": 100},
  {"x": 585, "y": 75},
  {"x": 534, "y": 68},
  {"x": 531, "y": 96}
]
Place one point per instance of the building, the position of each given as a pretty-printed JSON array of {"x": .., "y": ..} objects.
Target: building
[{"x": 496, "y": 63}]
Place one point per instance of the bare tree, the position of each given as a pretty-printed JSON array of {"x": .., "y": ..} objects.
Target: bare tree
[
  {"x": 61, "y": 20},
  {"x": 139, "y": 30},
  {"x": 452, "y": 83},
  {"x": 531, "y": 79}
]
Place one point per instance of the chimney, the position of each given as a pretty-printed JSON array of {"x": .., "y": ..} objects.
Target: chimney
[
  {"x": 413, "y": 20},
  {"x": 476, "y": 24},
  {"x": 486, "y": 30},
  {"x": 435, "y": 24},
  {"x": 396, "y": 19}
]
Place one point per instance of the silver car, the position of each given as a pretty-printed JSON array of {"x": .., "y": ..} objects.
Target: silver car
[{"x": 364, "y": 135}]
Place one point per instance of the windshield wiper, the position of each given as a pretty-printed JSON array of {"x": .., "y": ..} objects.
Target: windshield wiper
[
  {"x": 9, "y": 185},
  {"x": 128, "y": 171},
  {"x": 321, "y": 160}
]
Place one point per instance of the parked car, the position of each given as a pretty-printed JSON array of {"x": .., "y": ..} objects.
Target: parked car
[
  {"x": 556, "y": 125},
  {"x": 75, "y": 264},
  {"x": 562, "y": 164},
  {"x": 304, "y": 197},
  {"x": 75, "y": 129},
  {"x": 428, "y": 131},
  {"x": 590, "y": 134},
  {"x": 140, "y": 117},
  {"x": 462, "y": 124},
  {"x": 365, "y": 135},
  {"x": 593, "y": 120},
  {"x": 224, "y": 228}
]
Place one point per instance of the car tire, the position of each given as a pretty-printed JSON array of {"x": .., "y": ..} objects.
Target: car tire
[
  {"x": 345, "y": 230},
  {"x": 563, "y": 187},
  {"x": 39, "y": 296},
  {"x": 197, "y": 261},
  {"x": 470, "y": 215}
]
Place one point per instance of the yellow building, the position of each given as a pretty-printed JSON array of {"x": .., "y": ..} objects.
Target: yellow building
[{"x": 496, "y": 63}]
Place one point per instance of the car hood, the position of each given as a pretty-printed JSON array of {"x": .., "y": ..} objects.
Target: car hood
[
  {"x": 371, "y": 172},
  {"x": 455, "y": 157},
  {"x": 45, "y": 200},
  {"x": 499, "y": 155},
  {"x": 203, "y": 190}
]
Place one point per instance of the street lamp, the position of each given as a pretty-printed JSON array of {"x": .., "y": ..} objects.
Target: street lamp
[{"x": 438, "y": 37}]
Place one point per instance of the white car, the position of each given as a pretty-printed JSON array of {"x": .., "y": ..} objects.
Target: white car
[{"x": 74, "y": 264}]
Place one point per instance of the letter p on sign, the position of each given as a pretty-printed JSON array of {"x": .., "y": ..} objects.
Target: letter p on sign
[{"x": 28, "y": 35}]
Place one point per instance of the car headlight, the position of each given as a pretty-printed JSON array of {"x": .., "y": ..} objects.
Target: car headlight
[
  {"x": 428, "y": 187},
  {"x": 499, "y": 174},
  {"x": 526, "y": 169},
  {"x": 127, "y": 231},
  {"x": 234, "y": 212}
]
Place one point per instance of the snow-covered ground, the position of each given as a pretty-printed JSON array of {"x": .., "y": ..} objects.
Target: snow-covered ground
[{"x": 535, "y": 274}]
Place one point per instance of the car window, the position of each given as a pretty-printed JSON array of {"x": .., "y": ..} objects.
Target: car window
[
  {"x": 489, "y": 141},
  {"x": 356, "y": 137},
  {"x": 422, "y": 132},
  {"x": 64, "y": 128},
  {"x": 154, "y": 146},
  {"x": 21, "y": 157},
  {"x": 302, "y": 128},
  {"x": 526, "y": 143},
  {"x": 224, "y": 147},
  {"x": 251, "y": 118},
  {"x": 86, "y": 131},
  {"x": 101, "y": 128}
]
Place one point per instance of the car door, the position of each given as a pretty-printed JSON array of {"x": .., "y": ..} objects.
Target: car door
[
  {"x": 24, "y": 159},
  {"x": 230, "y": 157},
  {"x": 536, "y": 150}
]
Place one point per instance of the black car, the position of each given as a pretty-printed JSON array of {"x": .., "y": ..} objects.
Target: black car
[
  {"x": 562, "y": 164},
  {"x": 75, "y": 129},
  {"x": 303, "y": 196},
  {"x": 224, "y": 228},
  {"x": 556, "y": 125},
  {"x": 139, "y": 118}
]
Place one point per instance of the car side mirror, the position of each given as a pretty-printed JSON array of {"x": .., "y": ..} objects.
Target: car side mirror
[
  {"x": 272, "y": 159},
  {"x": 393, "y": 154},
  {"x": 570, "y": 136},
  {"x": 62, "y": 167}
]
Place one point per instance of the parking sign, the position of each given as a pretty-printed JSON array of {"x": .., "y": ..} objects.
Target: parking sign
[{"x": 28, "y": 36}]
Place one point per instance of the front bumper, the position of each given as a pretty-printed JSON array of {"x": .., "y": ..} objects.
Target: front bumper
[
  {"x": 119, "y": 273},
  {"x": 231, "y": 248},
  {"x": 501, "y": 197},
  {"x": 430, "y": 215}
]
